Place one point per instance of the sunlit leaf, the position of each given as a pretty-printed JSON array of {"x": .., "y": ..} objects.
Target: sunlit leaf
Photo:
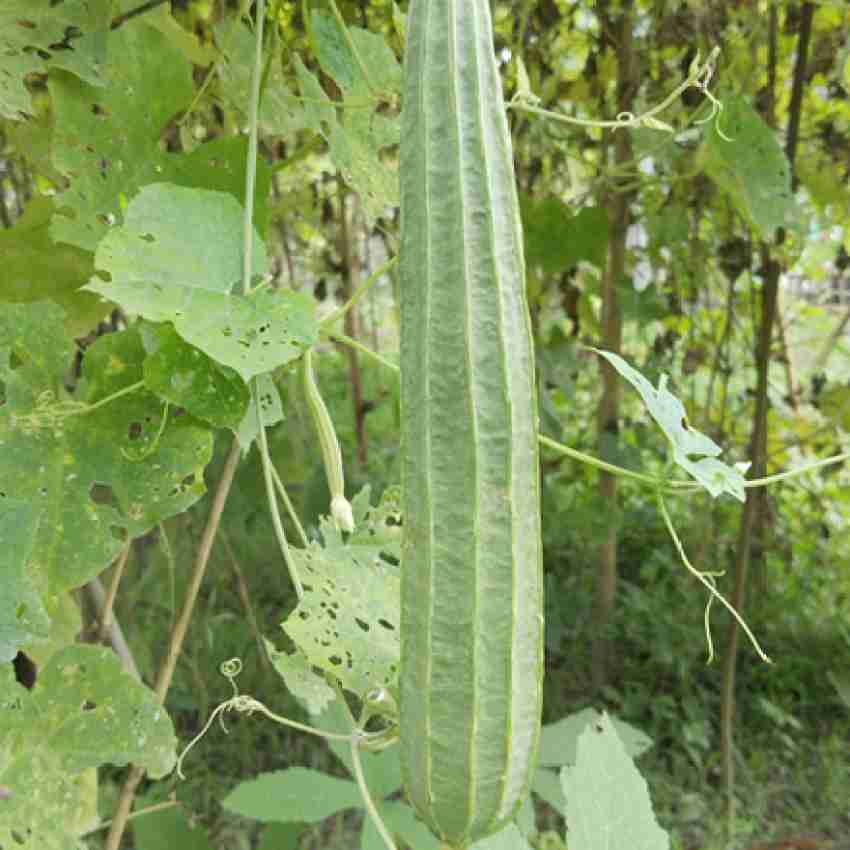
[
  {"x": 176, "y": 259},
  {"x": 23, "y": 618},
  {"x": 298, "y": 794},
  {"x": 84, "y": 711},
  {"x": 347, "y": 622},
  {"x": 607, "y": 801}
]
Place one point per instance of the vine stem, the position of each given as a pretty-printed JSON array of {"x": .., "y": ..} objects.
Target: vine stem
[
  {"x": 680, "y": 487},
  {"x": 178, "y": 635},
  {"x": 109, "y": 602},
  {"x": 247, "y": 271},
  {"x": 359, "y": 293},
  {"x": 698, "y": 78}
]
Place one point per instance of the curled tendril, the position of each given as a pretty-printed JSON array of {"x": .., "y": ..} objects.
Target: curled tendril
[{"x": 230, "y": 670}]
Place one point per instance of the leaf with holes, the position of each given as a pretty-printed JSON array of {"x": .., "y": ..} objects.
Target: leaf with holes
[
  {"x": 188, "y": 378},
  {"x": 23, "y": 618},
  {"x": 280, "y": 113},
  {"x": 177, "y": 257},
  {"x": 84, "y": 711},
  {"x": 369, "y": 76},
  {"x": 33, "y": 40},
  {"x": 347, "y": 622},
  {"x": 106, "y": 140},
  {"x": 271, "y": 411},
  {"x": 97, "y": 476},
  {"x": 302, "y": 682}
]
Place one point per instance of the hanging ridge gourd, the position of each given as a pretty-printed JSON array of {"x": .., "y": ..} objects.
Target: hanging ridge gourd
[{"x": 472, "y": 599}]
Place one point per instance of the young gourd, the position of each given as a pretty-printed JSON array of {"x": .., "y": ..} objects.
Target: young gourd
[{"x": 471, "y": 618}]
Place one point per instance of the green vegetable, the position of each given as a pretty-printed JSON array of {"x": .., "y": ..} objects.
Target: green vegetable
[
  {"x": 331, "y": 453},
  {"x": 471, "y": 617}
]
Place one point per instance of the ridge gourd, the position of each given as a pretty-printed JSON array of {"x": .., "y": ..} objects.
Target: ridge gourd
[{"x": 472, "y": 600}]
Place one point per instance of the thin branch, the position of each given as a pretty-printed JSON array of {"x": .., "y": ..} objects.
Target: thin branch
[
  {"x": 108, "y": 604},
  {"x": 245, "y": 599},
  {"x": 178, "y": 635},
  {"x": 97, "y": 597}
]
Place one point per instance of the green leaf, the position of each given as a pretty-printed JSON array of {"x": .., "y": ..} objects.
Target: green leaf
[
  {"x": 107, "y": 140},
  {"x": 270, "y": 408},
  {"x": 168, "y": 829},
  {"x": 34, "y": 266},
  {"x": 23, "y": 618},
  {"x": 558, "y": 741},
  {"x": 714, "y": 475},
  {"x": 82, "y": 469},
  {"x": 219, "y": 165},
  {"x": 556, "y": 239},
  {"x": 382, "y": 769},
  {"x": 298, "y": 676},
  {"x": 347, "y": 622},
  {"x": 547, "y": 786},
  {"x": 509, "y": 838},
  {"x": 280, "y": 112},
  {"x": 608, "y": 805},
  {"x": 834, "y": 403},
  {"x": 177, "y": 257},
  {"x": 184, "y": 376},
  {"x": 30, "y": 34},
  {"x": 752, "y": 166},
  {"x": 401, "y": 820},
  {"x": 179, "y": 237},
  {"x": 84, "y": 711},
  {"x": 280, "y": 836},
  {"x": 297, "y": 794},
  {"x": 356, "y": 140}
]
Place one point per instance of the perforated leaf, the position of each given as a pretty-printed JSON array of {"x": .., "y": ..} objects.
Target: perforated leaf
[
  {"x": 300, "y": 679},
  {"x": 347, "y": 622},
  {"x": 84, "y": 711},
  {"x": 23, "y": 618},
  {"x": 176, "y": 259},
  {"x": 33, "y": 39},
  {"x": 607, "y": 800},
  {"x": 271, "y": 410},
  {"x": 98, "y": 476},
  {"x": 752, "y": 166},
  {"x": 367, "y": 72},
  {"x": 188, "y": 378},
  {"x": 280, "y": 112},
  {"x": 106, "y": 140},
  {"x": 692, "y": 450}
]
